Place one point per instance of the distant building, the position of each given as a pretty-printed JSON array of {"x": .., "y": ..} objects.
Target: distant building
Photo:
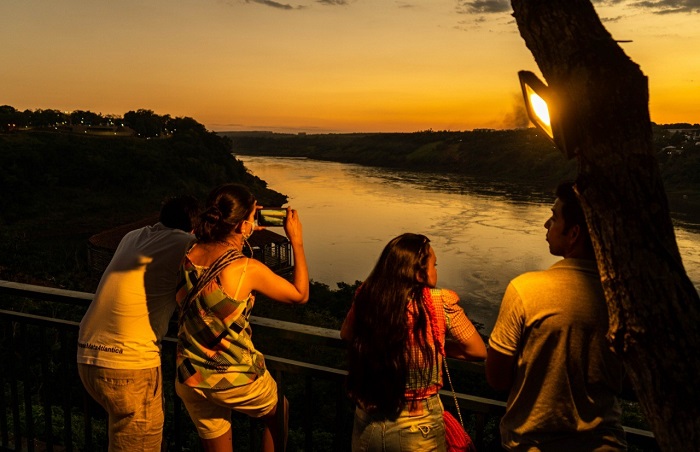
[
  {"x": 104, "y": 130},
  {"x": 690, "y": 134},
  {"x": 671, "y": 150}
]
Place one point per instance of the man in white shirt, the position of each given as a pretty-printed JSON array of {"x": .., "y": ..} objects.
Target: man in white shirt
[{"x": 119, "y": 344}]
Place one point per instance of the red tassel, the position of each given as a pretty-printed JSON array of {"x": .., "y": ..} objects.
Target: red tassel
[{"x": 456, "y": 438}]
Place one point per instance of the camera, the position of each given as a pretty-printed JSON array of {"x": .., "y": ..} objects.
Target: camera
[{"x": 271, "y": 216}]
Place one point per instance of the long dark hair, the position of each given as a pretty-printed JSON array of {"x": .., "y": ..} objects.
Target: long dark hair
[
  {"x": 226, "y": 207},
  {"x": 379, "y": 359}
]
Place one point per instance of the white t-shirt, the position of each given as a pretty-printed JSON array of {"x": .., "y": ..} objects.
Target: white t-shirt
[{"x": 127, "y": 319}]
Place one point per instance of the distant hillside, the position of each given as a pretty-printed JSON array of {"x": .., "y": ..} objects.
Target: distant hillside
[
  {"x": 497, "y": 155},
  {"x": 513, "y": 155},
  {"x": 60, "y": 188}
]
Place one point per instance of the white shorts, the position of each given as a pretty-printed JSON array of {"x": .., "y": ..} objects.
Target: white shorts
[{"x": 210, "y": 409}]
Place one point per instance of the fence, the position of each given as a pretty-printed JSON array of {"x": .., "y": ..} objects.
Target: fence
[{"x": 43, "y": 405}]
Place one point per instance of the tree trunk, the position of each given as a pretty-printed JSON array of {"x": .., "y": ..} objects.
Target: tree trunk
[{"x": 653, "y": 307}]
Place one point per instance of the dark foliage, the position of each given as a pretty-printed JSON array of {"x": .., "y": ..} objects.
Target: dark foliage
[{"x": 61, "y": 188}]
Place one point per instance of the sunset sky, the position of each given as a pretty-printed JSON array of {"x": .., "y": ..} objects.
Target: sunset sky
[{"x": 316, "y": 65}]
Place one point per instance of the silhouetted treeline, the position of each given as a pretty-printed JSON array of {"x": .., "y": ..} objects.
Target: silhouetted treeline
[{"x": 142, "y": 123}]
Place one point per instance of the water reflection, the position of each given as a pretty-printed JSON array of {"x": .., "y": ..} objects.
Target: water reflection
[{"x": 483, "y": 235}]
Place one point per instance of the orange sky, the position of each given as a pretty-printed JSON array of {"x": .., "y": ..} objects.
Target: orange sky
[{"x": 315, "y": 65}]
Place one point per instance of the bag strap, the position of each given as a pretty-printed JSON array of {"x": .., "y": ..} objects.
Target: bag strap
[
  {"x": 454, "y": 394},
  {"x": 207, "y": 277}
]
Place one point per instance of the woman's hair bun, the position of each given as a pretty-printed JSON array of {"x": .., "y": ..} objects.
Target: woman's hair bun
[{"x": 211, "y": 215}]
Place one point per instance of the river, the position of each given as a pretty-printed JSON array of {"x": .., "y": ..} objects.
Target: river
[{"x": 483, "y": 235}]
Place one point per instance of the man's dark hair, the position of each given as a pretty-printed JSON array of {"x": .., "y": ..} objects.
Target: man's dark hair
[
  {"x": 180, "y": 212},
  {"x": 572, "y": 211}
]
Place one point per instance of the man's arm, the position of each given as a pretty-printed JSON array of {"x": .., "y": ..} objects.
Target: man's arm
[{"x": 500, "y": 370}]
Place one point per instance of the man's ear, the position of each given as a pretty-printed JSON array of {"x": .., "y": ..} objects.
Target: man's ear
[{"x": 574, "y": 233}]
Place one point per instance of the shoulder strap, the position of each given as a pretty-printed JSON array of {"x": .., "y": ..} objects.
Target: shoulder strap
[
  {"x": 240, "y": 281},
  {"x": 208, "y": 276}
]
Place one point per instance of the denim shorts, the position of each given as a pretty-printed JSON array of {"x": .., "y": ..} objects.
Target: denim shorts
[
  {"x": 133, "y": 400},
  {"x": 210, "y": 409},
  {"x": 420, "y": 428}
]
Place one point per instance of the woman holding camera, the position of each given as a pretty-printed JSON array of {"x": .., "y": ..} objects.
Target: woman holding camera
[
  {"x": 218, "y": 367},
  {"x": 396, "y": 328}
]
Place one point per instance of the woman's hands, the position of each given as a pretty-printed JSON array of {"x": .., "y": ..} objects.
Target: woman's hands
[{"x": 292, "y": 227}]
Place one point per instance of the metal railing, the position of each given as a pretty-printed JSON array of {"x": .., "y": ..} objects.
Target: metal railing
[{"x": 43, "y": 405}]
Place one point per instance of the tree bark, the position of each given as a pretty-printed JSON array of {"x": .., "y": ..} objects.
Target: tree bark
[{"x": 653, "y": 307}]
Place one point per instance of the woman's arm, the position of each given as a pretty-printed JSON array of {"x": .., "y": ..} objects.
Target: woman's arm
[
  {"x": 462, "y": 340},
  {"x": 274, "y": 286},
  {"x": 292, "y": 227},
  {"x": 473, "y": 349}
]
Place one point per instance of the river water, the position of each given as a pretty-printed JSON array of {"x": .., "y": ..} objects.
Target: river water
[{"x": 483, "y": 235}]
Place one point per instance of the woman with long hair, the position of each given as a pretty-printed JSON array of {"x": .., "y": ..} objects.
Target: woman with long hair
[
  {"x": 218, "y": 367},
  {"x": 396, "y": 328}
]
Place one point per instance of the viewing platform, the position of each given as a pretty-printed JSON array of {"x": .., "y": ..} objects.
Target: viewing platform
[{"x": 43, "y": 406}]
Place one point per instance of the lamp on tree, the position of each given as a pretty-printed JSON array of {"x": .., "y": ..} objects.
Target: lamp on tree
[{"x": 543, "y": 109}]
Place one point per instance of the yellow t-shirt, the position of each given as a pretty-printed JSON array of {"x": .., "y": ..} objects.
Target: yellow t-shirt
[{"x": 564, "y": 395}]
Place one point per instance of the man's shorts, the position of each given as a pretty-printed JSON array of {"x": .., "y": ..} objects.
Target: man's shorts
[
  {"x": 210, "y": 409},
  {"x": 133, "y": 399}
]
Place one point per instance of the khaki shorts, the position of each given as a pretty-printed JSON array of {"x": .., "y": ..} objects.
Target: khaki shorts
[
  {"x": 210, "y": 409},
  {"x": 133, "y": 400}
]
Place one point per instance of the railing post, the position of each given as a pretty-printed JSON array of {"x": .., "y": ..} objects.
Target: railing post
[
  {"x": 279, "y": 434},
  {"x": 27, "y": 389},
  {"x": 87, "y": 421},
  {"x": 65, "y": 383},
  {"x": 44, "y": 394},
  {"x": 308, "y": 413},
  {"x": 340, "y": 427},
  {"x": 4, "y": 357},
  {"x": 479, "y": 426},
  {"x": 14, "y": 395}
]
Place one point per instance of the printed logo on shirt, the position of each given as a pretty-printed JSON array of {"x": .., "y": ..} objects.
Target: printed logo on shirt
[{"x": 101, "y": 348}]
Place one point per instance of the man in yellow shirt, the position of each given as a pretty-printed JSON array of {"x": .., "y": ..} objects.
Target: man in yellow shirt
[{"x": 548, "y": 348}]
